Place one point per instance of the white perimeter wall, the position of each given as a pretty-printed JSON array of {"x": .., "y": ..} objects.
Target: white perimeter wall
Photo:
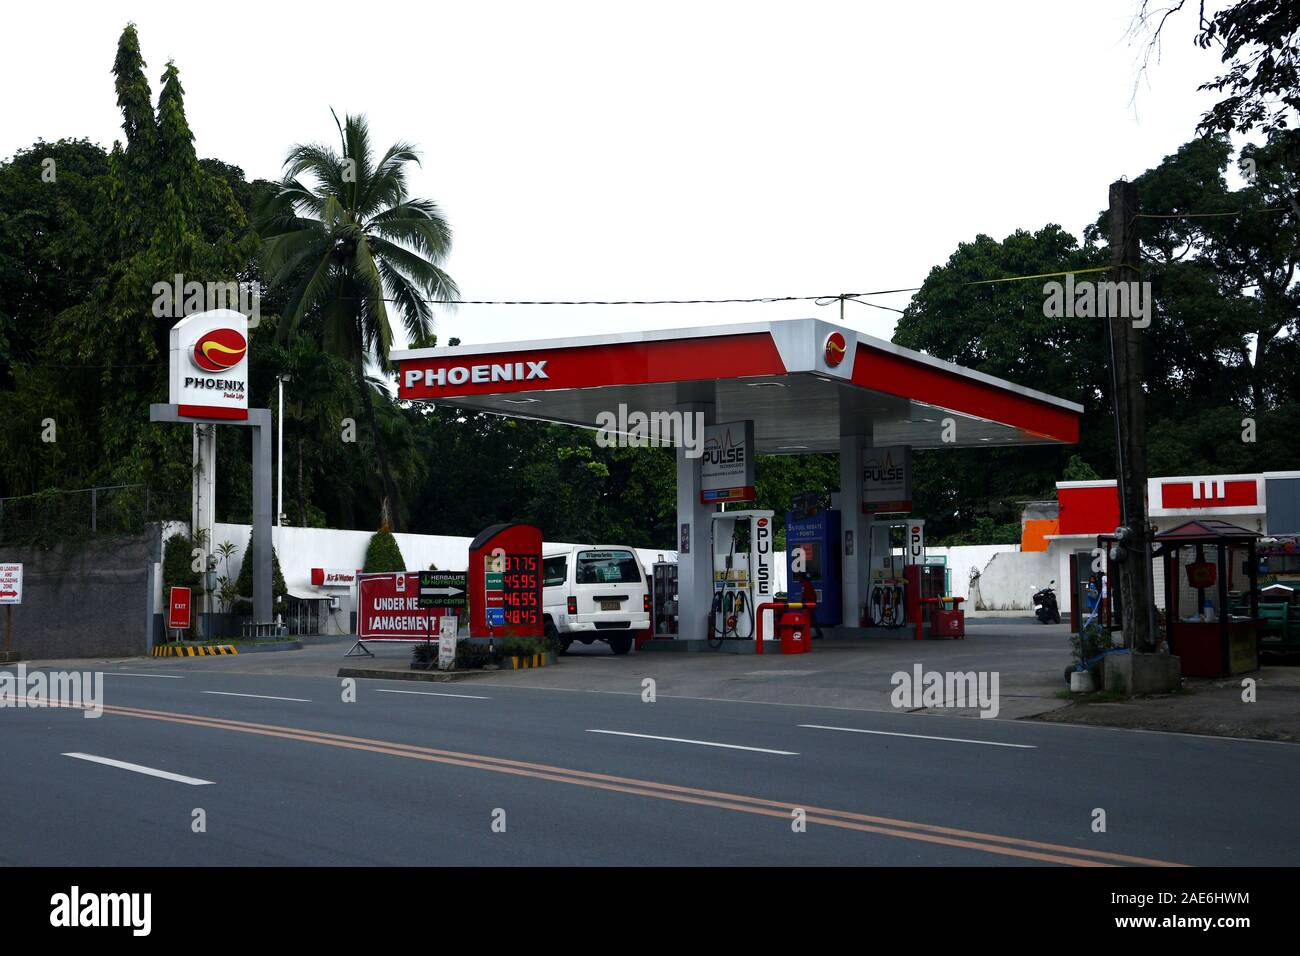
[
  {"x": 963, "y": 558},
  {"x": 301, "y": 549},
  {"x": 1008, "y": 581}
]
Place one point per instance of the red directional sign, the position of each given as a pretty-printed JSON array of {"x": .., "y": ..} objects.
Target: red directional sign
[{"x": 178, "y": 609}]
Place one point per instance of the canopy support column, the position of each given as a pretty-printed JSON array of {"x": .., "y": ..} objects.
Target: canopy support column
[
  {"x": 854, "y": 545},
  {"x": 694, "y": 536}
]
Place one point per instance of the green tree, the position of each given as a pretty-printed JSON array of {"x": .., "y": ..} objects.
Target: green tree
[
  {"x": 1259, "y": 41},
  {"x": 963, "y": 314},
  {"x": 244, "y": 581},
  {"x": 347, "y": 245},
  {"x": 382, "y": 553},
  {"x": 178, "y": 569},
  {"x": 84, "y": 235}
]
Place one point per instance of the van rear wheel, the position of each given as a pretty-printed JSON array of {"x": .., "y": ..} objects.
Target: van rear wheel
[
  {"x": 553, "y": 637},
  {"x": 621, "y": 644}
]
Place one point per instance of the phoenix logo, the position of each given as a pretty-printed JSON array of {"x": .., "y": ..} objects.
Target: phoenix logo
[
  {"x": 835, "y": 348},
  {"x": 219, "y": 350}
]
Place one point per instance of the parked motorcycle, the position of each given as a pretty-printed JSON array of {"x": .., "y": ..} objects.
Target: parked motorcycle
[{"x": 1045, "y": 607}]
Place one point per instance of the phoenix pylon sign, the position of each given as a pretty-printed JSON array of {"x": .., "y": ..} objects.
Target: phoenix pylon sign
[{"x": 209, "y": 365}]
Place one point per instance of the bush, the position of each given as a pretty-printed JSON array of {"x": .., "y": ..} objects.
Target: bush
[
  {"x": 178, "y": 572},
  {"x": 554, "y": 643},
  {"x": 521, "y": 647},
  {"x": 383, "y": 554},
  {"x": 470, "y": 655},
  {"x": 244, "y": 583},
  {"x": 1091, "y": 641}
]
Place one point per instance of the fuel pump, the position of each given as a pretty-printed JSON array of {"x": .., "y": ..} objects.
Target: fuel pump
[
  {"x": 742, "y": 571},
  {"x": 896, "y": 557}
]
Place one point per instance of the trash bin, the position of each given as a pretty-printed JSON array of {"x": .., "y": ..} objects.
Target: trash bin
[
  {"x": 793, "y": 630},
  {"x": 944, "y": 623}
]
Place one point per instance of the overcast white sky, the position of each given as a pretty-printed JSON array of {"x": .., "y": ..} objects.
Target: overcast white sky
[{"x": 659, "y": 150}]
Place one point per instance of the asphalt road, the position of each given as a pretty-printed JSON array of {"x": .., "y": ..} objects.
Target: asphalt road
[{"x": 286, "y": 772}]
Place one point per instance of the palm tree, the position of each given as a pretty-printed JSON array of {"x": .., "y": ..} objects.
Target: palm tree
[{"x": 349, "y": 246}]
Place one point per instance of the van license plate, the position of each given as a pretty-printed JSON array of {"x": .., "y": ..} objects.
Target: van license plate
[{"x": 609, "y": 605}]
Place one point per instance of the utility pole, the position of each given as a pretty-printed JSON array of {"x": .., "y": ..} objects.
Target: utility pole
[{"x": 1126, "y": 361}]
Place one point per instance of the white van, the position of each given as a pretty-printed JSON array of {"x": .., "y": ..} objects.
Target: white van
[{"x": 595, "y": 593}]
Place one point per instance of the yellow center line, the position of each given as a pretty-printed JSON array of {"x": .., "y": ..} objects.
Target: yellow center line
[{"x": 843, "y": 819}]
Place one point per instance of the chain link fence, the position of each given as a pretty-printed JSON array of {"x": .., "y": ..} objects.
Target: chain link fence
[{"x": 49, "y": 517}]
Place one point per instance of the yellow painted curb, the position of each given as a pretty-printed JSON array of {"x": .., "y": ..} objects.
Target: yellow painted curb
[
  {"x": 203, "y": 650},
  {"x": 529, "y": 661}
]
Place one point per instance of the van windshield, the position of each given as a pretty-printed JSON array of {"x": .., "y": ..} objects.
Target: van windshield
[{"x": 607, "y": 567}]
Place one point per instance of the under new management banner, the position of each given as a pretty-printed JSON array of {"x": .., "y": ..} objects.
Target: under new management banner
[{"x": 388, "y": 608}]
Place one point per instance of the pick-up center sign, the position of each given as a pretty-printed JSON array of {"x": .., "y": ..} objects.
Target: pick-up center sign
[{"x": 444, "y": 589}]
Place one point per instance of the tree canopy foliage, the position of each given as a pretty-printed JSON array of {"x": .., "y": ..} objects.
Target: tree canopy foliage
[
  {"x": 86, "y": 232},
  {"x": 1222, "y": 347}
]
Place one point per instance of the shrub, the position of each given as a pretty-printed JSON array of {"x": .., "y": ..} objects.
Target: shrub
[
  {"x": 244, "y": 583},
  {"x": 554, "y": 643},
  {"x": 382, "y": 553},
  {"x": 1090, "y": 641},
  {"x": 521, "y": 647},
  {"x": 178, "y": 572},
  {"x": 471, "y": 655}
]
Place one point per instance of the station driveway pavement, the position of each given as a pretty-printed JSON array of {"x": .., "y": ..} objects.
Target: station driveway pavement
[{"x": 1028, "y": 658}]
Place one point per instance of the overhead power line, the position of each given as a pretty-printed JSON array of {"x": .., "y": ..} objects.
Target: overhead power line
[
  {"x": 1208, "y": 215},
  {"x": 816, "y": 299}
]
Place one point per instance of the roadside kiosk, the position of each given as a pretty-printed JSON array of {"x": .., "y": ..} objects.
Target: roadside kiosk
[{"x": 1203, "y": 562}]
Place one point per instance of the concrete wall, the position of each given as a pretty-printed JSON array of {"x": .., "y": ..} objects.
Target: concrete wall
[
  {"x": 1009, "y": 579},
  {"x": 961, "y": 560},
  {"x": 83, "y": 599}
]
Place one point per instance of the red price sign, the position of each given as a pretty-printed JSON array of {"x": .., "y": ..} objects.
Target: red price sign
[{"x": 521, "y": 590}]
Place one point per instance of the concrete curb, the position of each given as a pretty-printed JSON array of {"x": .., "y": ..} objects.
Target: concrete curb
[
  {"x": 437, "y": 677},
  {"x": 269, "y": 647}
]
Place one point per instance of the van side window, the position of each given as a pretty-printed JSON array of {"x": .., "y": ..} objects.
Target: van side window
[{"x": 554, "y": 571}]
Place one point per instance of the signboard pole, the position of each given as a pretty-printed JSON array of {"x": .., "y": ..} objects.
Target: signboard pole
[{"x": 11, "y": 593}]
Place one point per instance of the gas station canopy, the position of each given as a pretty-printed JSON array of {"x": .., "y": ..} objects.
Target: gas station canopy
[{"x": 803, "y": 382}]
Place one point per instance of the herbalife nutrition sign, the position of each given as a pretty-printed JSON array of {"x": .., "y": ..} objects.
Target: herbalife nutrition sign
[{"x": 728, "y": 466}]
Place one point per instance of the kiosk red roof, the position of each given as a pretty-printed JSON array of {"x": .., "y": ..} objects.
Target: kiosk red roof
[{"x": 1206, "y": 529}]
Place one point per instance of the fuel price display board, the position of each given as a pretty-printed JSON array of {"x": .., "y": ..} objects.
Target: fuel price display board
[
  {"x": 505, "y": 583},
  {"x": 521, "y": 590}
]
